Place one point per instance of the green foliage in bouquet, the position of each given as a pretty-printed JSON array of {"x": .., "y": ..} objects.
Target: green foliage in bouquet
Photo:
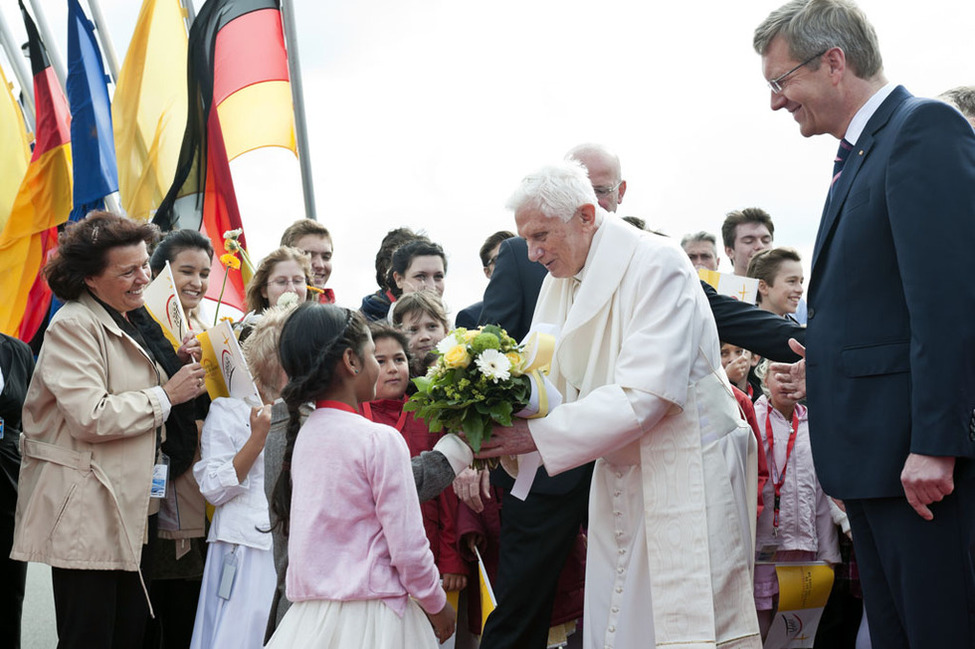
[{"x": 476, "y": 382}]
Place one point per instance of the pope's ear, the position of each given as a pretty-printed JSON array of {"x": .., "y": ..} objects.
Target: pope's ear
[{"x": 588, "y": 215}]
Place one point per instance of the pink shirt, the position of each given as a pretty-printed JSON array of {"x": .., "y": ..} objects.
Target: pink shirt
[
  {"x": 805, "y": 521},
  {"x": 356, "y": 528}
]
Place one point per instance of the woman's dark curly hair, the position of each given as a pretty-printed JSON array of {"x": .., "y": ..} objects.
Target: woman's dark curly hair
[{"x": 83, "y": 250}]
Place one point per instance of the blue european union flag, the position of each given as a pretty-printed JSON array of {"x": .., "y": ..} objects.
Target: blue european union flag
[{"x": 92, "y": 141}]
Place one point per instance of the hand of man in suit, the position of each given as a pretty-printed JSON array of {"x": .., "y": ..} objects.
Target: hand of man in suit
[
  {"x": 792, "y": 376},
  {"x": 927, "y": 479}
]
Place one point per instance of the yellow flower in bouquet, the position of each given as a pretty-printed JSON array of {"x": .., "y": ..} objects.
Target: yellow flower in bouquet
[
  {"x": 457, "y": 356},
  {"x": 516, "y": 360}
]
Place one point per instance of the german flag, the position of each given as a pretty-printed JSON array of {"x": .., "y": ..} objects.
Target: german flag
[
  {"x": 237, "y": 64},
  {"x": 43, "y": 202}
]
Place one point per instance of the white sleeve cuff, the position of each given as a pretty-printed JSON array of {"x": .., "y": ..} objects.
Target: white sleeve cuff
[
  {"x": 164, "y": 403},
  {"x": 458, "y": 454}
]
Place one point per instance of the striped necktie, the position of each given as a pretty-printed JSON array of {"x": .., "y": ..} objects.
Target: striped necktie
[{"x": 842, "y": 153}]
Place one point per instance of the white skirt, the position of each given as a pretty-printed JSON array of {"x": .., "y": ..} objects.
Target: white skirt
[
  {"x": 238, "y": 622},
  {"x": 327, "y": 624}
]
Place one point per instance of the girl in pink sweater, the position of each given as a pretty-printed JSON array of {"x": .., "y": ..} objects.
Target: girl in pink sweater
[{"x": 361, "y": 573}]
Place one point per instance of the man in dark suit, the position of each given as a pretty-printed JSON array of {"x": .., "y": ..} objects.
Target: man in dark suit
[
  {"x": 891, "y": 337},
  {"x": 488, "y": 253}
]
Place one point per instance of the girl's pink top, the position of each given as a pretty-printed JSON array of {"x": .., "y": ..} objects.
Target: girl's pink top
[
  {"x": 805, "y": 521},
  {"x": 356, "y": 528}
]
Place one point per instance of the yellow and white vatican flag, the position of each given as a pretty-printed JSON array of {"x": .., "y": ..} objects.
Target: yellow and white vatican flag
[
  {"x": 226, "y": 370},
  {"x": 538, "y": 348},
  {"x": 740, "y": 288},
  {"x": 488, "y": 601},
  {"x": 164, "y": 306},
  {"x": 803, "y": 591}
]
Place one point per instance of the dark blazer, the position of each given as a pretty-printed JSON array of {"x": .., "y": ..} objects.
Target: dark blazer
[
  {"x": 891, "y": 330},
  {"x": 509, "y": 299},
  {"x": 467, "y": 318},
  {"x": 744, "y": 325}
]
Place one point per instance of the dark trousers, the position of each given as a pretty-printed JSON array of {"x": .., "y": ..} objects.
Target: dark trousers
[
  {"x": 918, "y": 576},
  {"x": 103, "y": 609},
  {"x": 536, "y": 537},
  {"x": 13, "y": 574},
  {"x": 99, "y": 608}
]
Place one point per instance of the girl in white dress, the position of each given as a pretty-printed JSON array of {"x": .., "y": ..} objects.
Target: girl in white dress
[
  {"x": 239, "y": 577},
  {"x": 360, "y": 571}
]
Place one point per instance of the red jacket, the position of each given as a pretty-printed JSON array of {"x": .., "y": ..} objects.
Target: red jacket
[
  {"x": 440, "y": 513},
  {"x": 749, "y": 411},
  {"x": 572, "y": 581}
]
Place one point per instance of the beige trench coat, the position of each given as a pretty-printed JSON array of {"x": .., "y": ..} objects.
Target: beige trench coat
[
  {"x": 672, "y": 506},
  {"x": 88, "y": 445}
]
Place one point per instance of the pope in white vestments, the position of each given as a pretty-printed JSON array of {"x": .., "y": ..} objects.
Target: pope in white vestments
[{"x": 672, "y": 506}]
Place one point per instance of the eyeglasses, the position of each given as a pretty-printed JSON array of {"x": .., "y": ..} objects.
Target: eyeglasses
[
  {"x": 606, "y": 191},
  {"x": 282, "y": 282},
  {"x": 776, "y": 83}
]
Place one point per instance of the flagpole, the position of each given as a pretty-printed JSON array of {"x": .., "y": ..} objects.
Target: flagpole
[
  {"x": 190, "y": 13},
  {"x": 297, "y": 98},
  {"x": 49, "y": 42},
  {"x": 101, "y": 30},
  {"x": 16, "y": 58}
]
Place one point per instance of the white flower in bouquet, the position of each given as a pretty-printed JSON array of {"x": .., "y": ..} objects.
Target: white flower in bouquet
[
  {"x": 494, "y": 365},
  {"x": 450, "y": 341}
]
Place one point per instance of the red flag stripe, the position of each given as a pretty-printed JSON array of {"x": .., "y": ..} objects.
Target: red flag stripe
[
  {"x": 220, "y": 211},
  {"x": 249, "y": 49},
  {"x": 53, "y": 117}
]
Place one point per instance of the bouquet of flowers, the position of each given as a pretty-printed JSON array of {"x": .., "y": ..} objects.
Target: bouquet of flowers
[{"x": 479, "y": 379}]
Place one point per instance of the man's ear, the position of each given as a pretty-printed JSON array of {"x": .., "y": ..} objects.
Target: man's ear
[
  {"x": 835, "y": 63},
  {"x": 621, "y": 190},
  {"x": 588, "y": 215}
]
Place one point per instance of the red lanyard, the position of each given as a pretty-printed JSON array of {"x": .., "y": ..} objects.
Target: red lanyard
[
  {"x": 367, "y": 413},
  {"x": 778, "y": 479},
  {"x": 338, "y": 405}
]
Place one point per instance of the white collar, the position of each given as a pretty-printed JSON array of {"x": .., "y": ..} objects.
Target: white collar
[
  {"x": 859, "y": 121},
  {"x": 581, "y": 275}
]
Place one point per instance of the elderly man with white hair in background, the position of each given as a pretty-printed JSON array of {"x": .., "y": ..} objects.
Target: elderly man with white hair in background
[{"x": 637, "y": 359}]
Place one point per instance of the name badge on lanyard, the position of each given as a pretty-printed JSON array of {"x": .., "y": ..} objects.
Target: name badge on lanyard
[{"x": 160, "y": 476}]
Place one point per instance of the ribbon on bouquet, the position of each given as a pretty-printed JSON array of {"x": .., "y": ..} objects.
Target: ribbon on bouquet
[{"x": 538, "y": 350}]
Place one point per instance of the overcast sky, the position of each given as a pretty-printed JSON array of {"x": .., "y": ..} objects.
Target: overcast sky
[{"x": 427, "y": 114}]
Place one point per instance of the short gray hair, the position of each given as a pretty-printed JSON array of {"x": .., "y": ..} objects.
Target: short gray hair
[
  {"x": 557, "y": 191},
  {"x": 813, "y": 26},
  {"x": 962, "y": 98},
  {"x": 700, "y": 236}
]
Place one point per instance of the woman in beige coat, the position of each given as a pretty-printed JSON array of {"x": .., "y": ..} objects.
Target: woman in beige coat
[{"x": 96, "y": 419}]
